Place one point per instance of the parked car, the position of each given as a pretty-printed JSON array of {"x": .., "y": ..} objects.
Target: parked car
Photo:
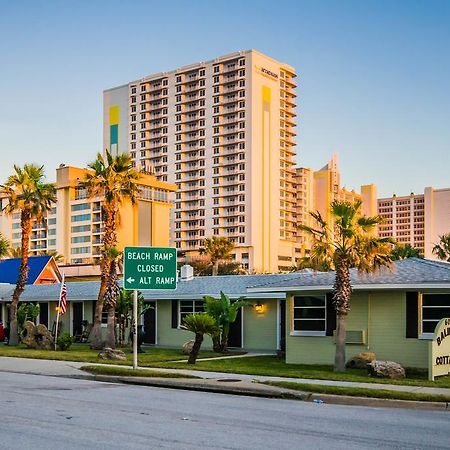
[{"x": 2, "y": 332}]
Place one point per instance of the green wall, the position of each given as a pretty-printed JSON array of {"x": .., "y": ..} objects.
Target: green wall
[
  {"x": 260, "y": 330},
  {"x": 382, "y": 315}
]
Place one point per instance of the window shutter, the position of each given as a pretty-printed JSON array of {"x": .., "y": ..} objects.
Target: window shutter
[
  {"x": 331, "y": 315},
  {"x": 174, "y": 313},
  {"x": 412, "y": 315}
]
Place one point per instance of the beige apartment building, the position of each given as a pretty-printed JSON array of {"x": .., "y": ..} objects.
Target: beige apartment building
[
  {"x": 74, "y": 227},
  {"x": 317, "y": 189},
  {"x": 223, "y": 132},
  {"x": 416, "y": 219}
]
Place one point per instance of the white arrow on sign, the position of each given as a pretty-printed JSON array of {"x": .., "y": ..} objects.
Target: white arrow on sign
[{"x": 130, "y": 280}]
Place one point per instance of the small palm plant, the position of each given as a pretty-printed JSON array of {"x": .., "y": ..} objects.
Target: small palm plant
[
  {"x": 199, "y": 324},
  {"x": 442, "y": 248},
  {"x": 351, "y": 242}
]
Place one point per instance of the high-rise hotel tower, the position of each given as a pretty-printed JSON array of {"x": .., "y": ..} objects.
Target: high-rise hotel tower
[{"x": 223, "y": 132}]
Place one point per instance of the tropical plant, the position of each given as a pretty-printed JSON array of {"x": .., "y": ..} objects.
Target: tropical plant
[
  {"x": 442, "y": 248},
  {"x": 111, "y": 294},
  {"x": 114, "y": 179},
  {"x": 404, "y": 251},
  {"x": 124, "y": 312},
  {"x": 202, "y": 267},
  {"x": 26, "y": 311},
  {"x": 4, "y": 246},
  {"x": 224, "y": 311},
  {"x": 29, "y": 195},
  {"x": 16, "y": 252},
  {"x": 199, "y": 324},
  {"x": 65, "y": 341},
  {"x": 218, "y": 249},
  {"x": 350, "y": 243}
]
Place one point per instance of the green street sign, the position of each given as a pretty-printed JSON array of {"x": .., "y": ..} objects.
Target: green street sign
[{"x": 149, "y": 268}]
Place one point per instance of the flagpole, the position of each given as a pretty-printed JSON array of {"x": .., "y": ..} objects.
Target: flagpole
[{"x": 59, "y": 309}]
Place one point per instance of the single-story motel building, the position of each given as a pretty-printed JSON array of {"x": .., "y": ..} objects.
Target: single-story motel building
[{"x": 393, "y": 312}]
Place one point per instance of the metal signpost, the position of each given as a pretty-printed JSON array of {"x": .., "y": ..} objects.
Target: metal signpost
[{"x": 147, "y": 268}]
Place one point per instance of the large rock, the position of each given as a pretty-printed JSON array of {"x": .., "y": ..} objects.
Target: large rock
[
  {"x": 385, "y": 369},
  {"x": 37, "y": 336},
  {"x": 361, "y": 360},
  {"x": 187, "y": 347},
  {"x": 112, "y": 353}
]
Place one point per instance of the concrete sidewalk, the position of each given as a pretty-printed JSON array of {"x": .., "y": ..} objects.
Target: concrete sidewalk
[{"x": 72, "y": 369}]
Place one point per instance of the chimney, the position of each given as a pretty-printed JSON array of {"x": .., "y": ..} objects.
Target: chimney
[{"x": 187, "y": 273}]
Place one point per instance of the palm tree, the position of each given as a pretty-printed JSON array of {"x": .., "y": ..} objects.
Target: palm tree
[
  {"x": 224, "y": 311},
  {"x": 442, "y": 248},
  {"x": 218, "y": 249},
  {"x": 29, "y": 194},
  {"x": 4, "y": 246},
  {"x": 199, "y": 324},
  {"x": 350, "y": 243},
  {"x": 111, "y": 294},
  {"x": 403, "y": 251},
  {"x": 114, "y": 179},
  {"x": 15, "y": 252}
]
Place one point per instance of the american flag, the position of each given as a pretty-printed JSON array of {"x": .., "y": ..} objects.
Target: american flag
[{"x": 63, "y": 298}]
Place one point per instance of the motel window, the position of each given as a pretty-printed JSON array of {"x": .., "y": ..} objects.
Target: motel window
[
  {"x": 309, "y": 315},
  {"x": 187, "y": 307},
  {"x": 434, "y": 308}
]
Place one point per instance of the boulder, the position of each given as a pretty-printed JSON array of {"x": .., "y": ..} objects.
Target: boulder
[
  {"x": 112, "y": 353},
  {"x": 361, "y": 360},
  {"x": 37, "y": 336},
  {"x": 187, "y": 347},
  {"x": 385, "y": 369}
]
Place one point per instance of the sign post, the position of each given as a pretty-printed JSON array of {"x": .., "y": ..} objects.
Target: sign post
[{"x": 147, "y": 268}]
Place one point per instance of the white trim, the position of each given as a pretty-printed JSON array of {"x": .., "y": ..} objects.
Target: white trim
[
  {"x": 242, "y": 327},
  {"x": 278, "y": 325},
  {"x": 426, "y": 336},
  {"x": 308, "y": 333},
  {"x": 156, "y": 322},
  {"x": 355, "y": 287}
]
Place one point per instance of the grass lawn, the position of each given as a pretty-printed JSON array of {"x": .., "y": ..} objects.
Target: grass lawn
[
  {"x": 126, "y": 372},
  {"x": 274, "y": 366},
  {"x": 82, "y": 353},
  {"x": 360, "y": 392}
]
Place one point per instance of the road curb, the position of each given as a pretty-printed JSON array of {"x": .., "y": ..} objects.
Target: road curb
[{"x": 280, "y": 393}]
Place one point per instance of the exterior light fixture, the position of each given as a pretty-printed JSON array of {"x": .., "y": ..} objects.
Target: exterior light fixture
[{"x": 259, "y": 308}]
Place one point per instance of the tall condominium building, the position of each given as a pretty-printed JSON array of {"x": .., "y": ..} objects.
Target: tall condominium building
[
  {"x": 317, "y": 189},
  {"x": 223, "y": 132},
  {"x": 416, "y": 219},
  {"x": 74, "y": 227}
]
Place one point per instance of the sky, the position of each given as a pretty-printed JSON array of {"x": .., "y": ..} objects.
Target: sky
[{"x": 373, "y": 76}]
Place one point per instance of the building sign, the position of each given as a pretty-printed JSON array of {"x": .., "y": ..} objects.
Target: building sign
[
  {"x": 439, "y": 353},
  {"x": 267, "y": 73},
  {"x": 149, "y": 268}
]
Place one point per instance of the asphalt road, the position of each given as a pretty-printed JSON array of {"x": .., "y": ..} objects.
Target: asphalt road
[{"x": 41, "y": 412}]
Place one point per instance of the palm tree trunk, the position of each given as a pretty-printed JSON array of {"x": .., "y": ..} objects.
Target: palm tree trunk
[
  {"x": 25, "y": 219},
  {"x": 109, "y": 241},
  {"x": 215, "y": 269},
  {"x": 111, "y": 328},
  {"x": 216, "y": 343},
  {"x": 339, "y": 358},
  {"x": 342, "y": 291},
  {"x": 225, "y": 333},
  {"x": 195, "y": 348}
]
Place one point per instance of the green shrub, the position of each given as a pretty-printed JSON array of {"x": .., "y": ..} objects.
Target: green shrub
[{"x": 65, "y": 341}]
